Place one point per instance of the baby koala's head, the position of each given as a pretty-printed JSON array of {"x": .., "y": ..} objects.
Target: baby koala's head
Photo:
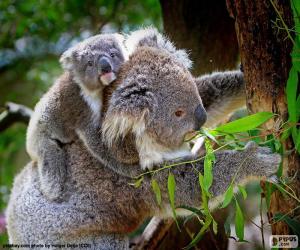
[{"x": 95, "y": 61}]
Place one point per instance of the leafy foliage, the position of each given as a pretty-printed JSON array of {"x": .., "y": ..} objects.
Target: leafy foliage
[{"x": 48, "y": 19}]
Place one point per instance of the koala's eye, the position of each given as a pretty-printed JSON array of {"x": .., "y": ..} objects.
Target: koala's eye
[
  {"x": 90, "y": 63},
  {"x": 112, "y": 55},
  {"x": 179, "y": 113}
]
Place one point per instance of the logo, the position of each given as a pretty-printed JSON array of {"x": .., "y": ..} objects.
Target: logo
[{"x": 283, "y": 241}]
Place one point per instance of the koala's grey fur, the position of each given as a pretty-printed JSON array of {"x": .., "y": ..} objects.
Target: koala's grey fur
[
  {"x": 71, "y": 108},
  {"x": 100, "y": 207},
  {"x": 221, "y": 94}
]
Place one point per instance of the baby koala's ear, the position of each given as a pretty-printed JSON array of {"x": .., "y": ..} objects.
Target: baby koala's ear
[
  {"x": 152, "y": 38},
  {"x": 128, "y": 111},
  {"x": 72, "y": 55},
  {"x": 121, "y": 42},
  {"x": 66, "y": 59}
]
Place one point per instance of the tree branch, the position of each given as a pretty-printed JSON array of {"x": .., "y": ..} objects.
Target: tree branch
[{"x": 14, "y": 113}]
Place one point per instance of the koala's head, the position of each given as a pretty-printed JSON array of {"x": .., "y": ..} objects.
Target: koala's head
[
  {"x": 95, "y": 61},
  {"x": 158, "y": 102}
]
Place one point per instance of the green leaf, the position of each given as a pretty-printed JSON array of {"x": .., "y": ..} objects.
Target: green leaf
[
  {"x": 293, "y": 224},
  {"x": 156, "y": 191},
  {"x": 202, "y": 231},
  {"x": 239, "y": 222},
  {"x": 281, "y": 189},
  {"x": 243, "y": 191},
  {"x": 204, "y": 196},
  {"x": 137, "y": 183},
  {"x": 297, "y": 141},
  {"x": 228, "y": 196},
  {"x": 298, "y": 108},
  {"x": 208, "y": 162},
  {"x": 191, "y": 209},
  {"x": 291, "y": 94},
  {"x": 215, "y": 227},
  {"x": 209, "y": 135},
  {"x": 171, "y": 190},
  {"x": 246, "y": 123}
]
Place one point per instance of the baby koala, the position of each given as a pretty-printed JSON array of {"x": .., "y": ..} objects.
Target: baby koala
[{"x": 72, "y": 107}]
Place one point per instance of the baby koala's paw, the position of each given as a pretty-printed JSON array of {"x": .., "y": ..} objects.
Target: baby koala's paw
[
  {"x": 262, "y": 161},
  {"x": 52, "y": 192}
]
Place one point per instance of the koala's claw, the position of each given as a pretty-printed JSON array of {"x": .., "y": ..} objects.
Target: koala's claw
[
  {"x": 52, "y": 192},
  {"x": 263, "y": 162},
  {"x": 268, "y": 162}
]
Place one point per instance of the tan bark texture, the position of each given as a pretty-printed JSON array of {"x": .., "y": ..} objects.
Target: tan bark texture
[{"x": 265, "y": 56}]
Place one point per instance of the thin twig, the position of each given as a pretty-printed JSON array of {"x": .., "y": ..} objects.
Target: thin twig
[{"x": 283, "y": 22}]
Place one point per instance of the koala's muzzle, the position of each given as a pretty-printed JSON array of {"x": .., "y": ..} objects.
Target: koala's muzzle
[
  {"x": 201, "y": 116},
  {"x": 106, "y": 71},
  {"x": 104, "y": 65}
]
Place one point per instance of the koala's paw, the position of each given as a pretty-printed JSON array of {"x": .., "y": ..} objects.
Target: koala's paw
[
  {"x": 52, "y": 192},
  {"x": 263, "y": 161}
]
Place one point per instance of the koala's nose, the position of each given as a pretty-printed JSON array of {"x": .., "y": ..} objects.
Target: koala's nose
[
  {"x": 200, "y": 115},
  {"x": 104, "y": 65}
]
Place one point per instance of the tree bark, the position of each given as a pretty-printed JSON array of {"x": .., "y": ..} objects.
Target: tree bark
[
  {"x": 265, "y": 56},
  {"x": 205, "y": 29}
]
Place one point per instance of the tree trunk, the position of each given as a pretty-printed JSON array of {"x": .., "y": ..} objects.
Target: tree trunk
[
  {"x": 265, "y": 56},
  {"x": 205, "y": 29}
]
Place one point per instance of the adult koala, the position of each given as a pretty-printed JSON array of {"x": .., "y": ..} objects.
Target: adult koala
[{"x": 100, "y": 208}]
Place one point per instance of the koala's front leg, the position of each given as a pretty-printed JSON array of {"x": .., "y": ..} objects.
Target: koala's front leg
[
  {"x": 52, "y": 168},
  {"x": 91, "y": 136},
  {"x": 253, "y": 161}
]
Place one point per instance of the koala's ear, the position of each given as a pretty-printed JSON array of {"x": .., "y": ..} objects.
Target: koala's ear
[
  {"x": 73, "y": 54},
  {"x": 128, "y": 111},
  {"x": 66, "y": 59},
  {"x": 121, "y": 41},
  {"x": 152, "y": 38}
]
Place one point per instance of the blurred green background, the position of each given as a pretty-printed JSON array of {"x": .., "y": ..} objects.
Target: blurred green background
[{"x": 33, "y": 34}]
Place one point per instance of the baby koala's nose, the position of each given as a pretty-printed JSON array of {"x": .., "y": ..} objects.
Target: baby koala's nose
[
  {"x": 105, "y": 66},
  {"x": 201, "y": 116}
]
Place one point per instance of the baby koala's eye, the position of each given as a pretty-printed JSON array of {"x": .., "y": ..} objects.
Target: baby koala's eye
[
  {"x": 112, "y": 55},
  {"x": 90, "y": 63},
  {"x": 179, "y": 113}
]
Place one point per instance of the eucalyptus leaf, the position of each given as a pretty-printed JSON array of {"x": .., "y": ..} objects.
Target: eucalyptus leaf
[
  {"x": 291, "y": 93},
  {"x": 171, "y": 191},
  {"x": 137, "y": 183},
  {"x": 215, "y": 227},
  {"x": 202, "y": 231},
  {"x": 293, "y": 223},
  {"x": 204, "y": 196},
  {"x": 243, "y": 191},
  {"x": 228, "y": 196},
  {"x": 239, "y": 222},
  {"x": 156, "y": 191},
  {"x": 208, "y": 162},
  {"x": 246, "y": 123}
]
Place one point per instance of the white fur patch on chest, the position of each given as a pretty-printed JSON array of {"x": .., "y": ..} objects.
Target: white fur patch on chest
[
  {"x": 93, "y": 100},
  {"x": 151, "y": 153}
]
